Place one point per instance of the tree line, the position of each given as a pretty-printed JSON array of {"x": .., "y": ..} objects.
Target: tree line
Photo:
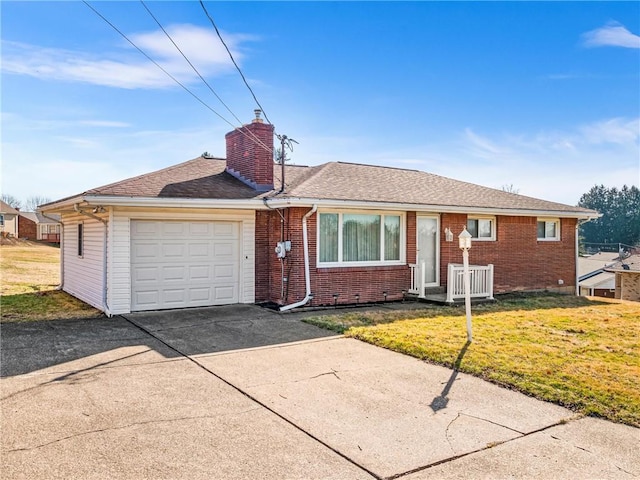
[
  {"x": 29, "y": 205},
  {"x": 620, "y": 221}
]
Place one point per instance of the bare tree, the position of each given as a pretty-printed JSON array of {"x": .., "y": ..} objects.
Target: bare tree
[
  {"x": 11, "y": 200},
  {"x": 32, "y": 203},
  {"x": 510, "y": 188}
]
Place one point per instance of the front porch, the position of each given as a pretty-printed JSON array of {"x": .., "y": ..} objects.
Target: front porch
[{"x": 481, "y": 284}]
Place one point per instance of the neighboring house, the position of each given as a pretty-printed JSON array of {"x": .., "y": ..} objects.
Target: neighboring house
[
  {"x": 627, "y": 274},
  {"x": 592, "y": 277},
  {"x": 36, "y": 226},
  {"x": 214, "y": 231},
  {"x": 8, "y": 220}
]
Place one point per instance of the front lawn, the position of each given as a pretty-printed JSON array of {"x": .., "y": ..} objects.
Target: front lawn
[{"x": 580, "y": 353}]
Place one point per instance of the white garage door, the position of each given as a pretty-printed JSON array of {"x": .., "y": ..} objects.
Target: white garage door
[{"x": 183, "y": 264}]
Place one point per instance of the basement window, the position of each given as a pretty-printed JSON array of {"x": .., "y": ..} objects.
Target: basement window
[
  {"x": 482, "y": 228},
  {"x": 360, "y": 239},
  {"x": 548, "y": 229}
]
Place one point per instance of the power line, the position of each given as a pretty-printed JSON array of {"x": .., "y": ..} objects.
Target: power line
[
  {"x": 172, "y": 77},
  {"x": 188, "y": 61},
  {"x": 255, "y": 138},
  {"x": 233, "y": 60}
]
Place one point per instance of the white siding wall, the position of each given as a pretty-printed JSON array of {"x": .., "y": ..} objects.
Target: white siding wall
[
  {"x": 84, "y": 276},
  {"x": 119, "y": 261}
]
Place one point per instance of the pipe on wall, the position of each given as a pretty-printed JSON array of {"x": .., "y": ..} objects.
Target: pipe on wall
[{"x": 307, "y": 274}]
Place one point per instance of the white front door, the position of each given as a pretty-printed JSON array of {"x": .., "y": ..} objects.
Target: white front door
[{"x": 428, "y": 248}]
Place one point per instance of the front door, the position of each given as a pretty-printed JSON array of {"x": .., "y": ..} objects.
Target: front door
[{"x": 427, "y": 249}]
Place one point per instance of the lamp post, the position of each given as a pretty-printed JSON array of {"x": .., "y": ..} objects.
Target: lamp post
[{"x": 464, "y": 240}]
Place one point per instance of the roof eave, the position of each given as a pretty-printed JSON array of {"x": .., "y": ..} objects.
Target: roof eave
[{"x": 328, "y": 203}]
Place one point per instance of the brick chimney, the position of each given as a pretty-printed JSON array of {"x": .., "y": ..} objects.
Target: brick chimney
[{"x": 247, "y": 157}]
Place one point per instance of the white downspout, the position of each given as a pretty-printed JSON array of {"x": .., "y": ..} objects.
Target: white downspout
[
  {"x": 307, "y": 275},
  {"x": 77, "y": 208}
]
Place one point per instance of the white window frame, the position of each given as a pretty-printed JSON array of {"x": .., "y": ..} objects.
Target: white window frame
[
  {"x": 492, "y": 219},
  {"x": 549, "y": 220},
  {"x": 375, "y": 263}
]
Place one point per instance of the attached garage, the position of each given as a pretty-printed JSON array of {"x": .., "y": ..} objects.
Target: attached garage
[{"x": 177, "y": 264}]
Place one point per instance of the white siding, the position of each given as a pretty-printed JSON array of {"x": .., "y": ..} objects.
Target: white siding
[
  {"x": 84, "y": 276},
  {"x": 119, "y": 260}
]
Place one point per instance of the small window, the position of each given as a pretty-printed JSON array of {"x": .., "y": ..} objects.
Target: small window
[
  {"x": 548, "y": 229},
  {"x": 1, "y": 220},
  {"x": 80, "y": 239},
  {"x": 482, "y": 228}
]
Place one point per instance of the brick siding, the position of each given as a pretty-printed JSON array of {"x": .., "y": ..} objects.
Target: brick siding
[
  {"x": 520, "y": 261},
  {"x": 27, "y": 228}
]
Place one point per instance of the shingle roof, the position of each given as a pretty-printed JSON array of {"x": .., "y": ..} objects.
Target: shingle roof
[
  {"x": 206, "y": 178},
  {"x": 629, "y": 264},
  {"x": 39, "y": 218},
  {"x": 5, "y": 208}
]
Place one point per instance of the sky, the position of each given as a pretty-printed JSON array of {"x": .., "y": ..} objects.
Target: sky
[{"x": 539, "y": 97}]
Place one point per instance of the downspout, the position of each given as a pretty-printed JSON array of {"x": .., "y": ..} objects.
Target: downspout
[
  {"x": 77, "y": 208},
  {"x": 307, "y": 275},
  {"x": 61, "y": 286}
]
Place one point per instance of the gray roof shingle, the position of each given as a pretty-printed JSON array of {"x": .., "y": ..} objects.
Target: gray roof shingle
[{"x": 207, "y": 178}]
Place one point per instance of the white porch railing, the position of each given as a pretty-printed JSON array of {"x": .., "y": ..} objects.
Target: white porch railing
[
  {"x": 481, "y": 281},
  {"x": 418, "y": 279}
]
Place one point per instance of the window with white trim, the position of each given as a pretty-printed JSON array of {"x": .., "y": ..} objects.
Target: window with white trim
[
  {"x": 548, "y": 229},
  {"x": 350, "y": 238},
  {"x": 482, "y": 228}
]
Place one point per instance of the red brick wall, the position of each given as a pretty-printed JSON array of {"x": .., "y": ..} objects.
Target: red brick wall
[
  {"x": 27, "y": 228},
  {"x": 247, "y": 157},
  {"x": 520, "y": 261}
]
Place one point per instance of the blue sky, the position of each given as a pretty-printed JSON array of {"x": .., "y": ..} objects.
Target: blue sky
[{"x": 541, "y": 96}]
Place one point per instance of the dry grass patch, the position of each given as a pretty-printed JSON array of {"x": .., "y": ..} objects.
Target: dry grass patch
[
  {"x": 30, "y": 273},
  {"x": 580, "y": 353},
  {"x": 29, "y": 267}
]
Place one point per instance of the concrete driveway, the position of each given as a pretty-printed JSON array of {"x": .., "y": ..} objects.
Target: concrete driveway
[{"x": 240, "y": 392}]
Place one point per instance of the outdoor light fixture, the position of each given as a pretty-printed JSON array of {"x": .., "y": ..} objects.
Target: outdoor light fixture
[
  {"x": 357, "y": 297},
  {"x": 385, "y": 296},
  {"x": 464, "y": 240}
]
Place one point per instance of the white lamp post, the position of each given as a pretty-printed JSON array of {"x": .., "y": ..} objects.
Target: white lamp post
[{"x": 464, "y": 240}]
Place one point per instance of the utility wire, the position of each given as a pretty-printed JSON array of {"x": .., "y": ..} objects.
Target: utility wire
[
  {"x": 243, "y": 132},
  {"x": 233, "y": 60},
  {"x": 255, "y": 138}
]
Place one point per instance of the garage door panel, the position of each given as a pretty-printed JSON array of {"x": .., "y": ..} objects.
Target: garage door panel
[
  {"x": 184, "y": 264},
  {"x": 149, "y": 274},
  {"x": 200, "y": 251},
  {"x": 173, "y": 229}
]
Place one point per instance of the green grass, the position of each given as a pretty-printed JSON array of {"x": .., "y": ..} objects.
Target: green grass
[
  {"x": 47, "y": 305},
  {"x": 581, "y": 353}
]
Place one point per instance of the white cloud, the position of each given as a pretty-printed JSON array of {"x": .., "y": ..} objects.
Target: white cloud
[
  {"x": 615, "y": 130},
  {"x": 611, "y": 35},
  {"x": 125, "y": 67},
  {"x": 104, "y": 124}
]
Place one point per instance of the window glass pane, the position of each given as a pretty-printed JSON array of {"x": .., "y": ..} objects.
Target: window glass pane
[
  {"x": 484, "y": 228},
  {"x": 392, "y": 237},
  {"x": 550, "y": 229},
  {"x": 360, "y": 238},
  {"x": 541, "y": 229},
  {"x": 328, "y": 237},
  {"x": 472, "y": 227}
]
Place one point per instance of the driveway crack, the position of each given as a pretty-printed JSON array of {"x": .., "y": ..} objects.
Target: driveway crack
[{"x": 124, "y": 427}]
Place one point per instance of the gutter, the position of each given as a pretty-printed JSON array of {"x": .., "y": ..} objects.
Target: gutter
[
  {"x": 105, "y": 303},
  {"x": 307, "y": 275},
  {"x": 275, "y": 202}
]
